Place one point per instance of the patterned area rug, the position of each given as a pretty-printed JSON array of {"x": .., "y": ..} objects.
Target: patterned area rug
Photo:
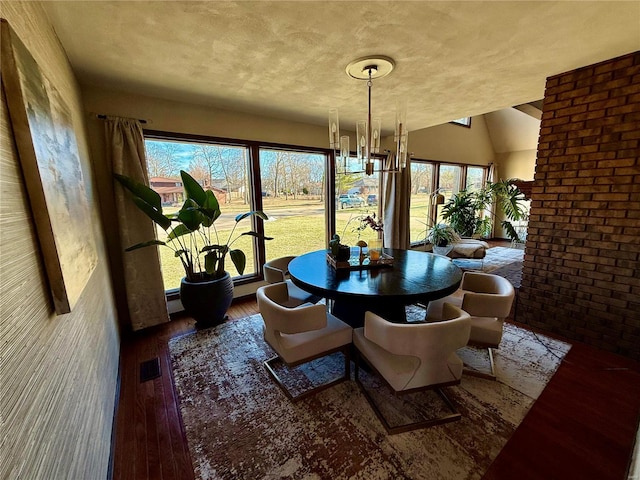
[
  {"x": 512, "y": 272},
  {"x": 240, "y": 425},
  {"x": 496, "y": 257}
]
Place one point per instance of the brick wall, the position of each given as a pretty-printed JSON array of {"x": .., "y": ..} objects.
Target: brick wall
[{"x": 581, "y": 276}]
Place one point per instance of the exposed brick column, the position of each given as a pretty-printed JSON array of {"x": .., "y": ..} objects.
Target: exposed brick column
[{"x": 581, "y": 276}]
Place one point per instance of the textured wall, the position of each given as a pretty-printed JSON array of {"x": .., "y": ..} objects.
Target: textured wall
[
  {"x": 582, "y": 265},
  {"x": 57, "y": 373}
]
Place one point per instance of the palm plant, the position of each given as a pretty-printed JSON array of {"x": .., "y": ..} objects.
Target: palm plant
[{"x": 191, "y": 232}]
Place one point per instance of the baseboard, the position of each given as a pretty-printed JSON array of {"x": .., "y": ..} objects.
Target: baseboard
[{"x": 114, "y": 422}]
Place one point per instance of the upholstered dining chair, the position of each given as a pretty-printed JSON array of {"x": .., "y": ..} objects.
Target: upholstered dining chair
[
  {"x": 413, "y": 358},
  {"x": 277, "y": 270},
  {"x": 488, "y": 299},
  {"x": 301, "y": 334}
]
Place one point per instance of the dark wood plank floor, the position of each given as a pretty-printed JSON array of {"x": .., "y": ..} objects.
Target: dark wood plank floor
[{"x": 582, "y": 426}]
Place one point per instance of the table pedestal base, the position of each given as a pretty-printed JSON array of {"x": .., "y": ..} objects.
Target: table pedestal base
[{"x": 352, "y": 312}]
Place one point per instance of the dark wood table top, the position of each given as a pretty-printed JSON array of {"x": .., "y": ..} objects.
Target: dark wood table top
[{"x": 414, "y": 277}]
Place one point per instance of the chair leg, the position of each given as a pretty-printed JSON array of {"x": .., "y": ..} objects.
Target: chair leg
[
  {"x": 492, "y": 368},
  {"x": 312, "y": 391},
  {"x": 391, "y": 430}
]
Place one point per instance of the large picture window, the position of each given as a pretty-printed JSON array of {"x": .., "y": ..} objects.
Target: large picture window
[
  {"x": 357, "y": 196},
  {"x": 446, "y": 179},
  {"x": 293, "y": 196},
  {"x": 288, "y": 184},
  {"x": 221, "y": 168},
  {"x": 291, "y": 185}
]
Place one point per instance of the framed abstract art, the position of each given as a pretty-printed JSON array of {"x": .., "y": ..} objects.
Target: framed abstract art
[{"x": 50, "y": 160}]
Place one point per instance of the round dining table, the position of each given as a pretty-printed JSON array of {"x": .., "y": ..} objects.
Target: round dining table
[{"x": 414, "y": 277}]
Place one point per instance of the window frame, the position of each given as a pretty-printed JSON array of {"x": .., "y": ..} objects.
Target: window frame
[
  {"x": 462, "y": 122},
  {"x": 255, "y": 185},
  {"x": 436, "y": 179}
]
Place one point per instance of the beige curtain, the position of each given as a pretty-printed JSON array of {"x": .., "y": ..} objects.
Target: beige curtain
[
  {"x": 397, "y": 201},
  {"x": 142, "y": 276},
  {"x": 491, "y": 211}
]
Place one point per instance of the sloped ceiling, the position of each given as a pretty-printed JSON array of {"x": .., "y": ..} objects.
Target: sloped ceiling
[
  {"x": 287, "y": 59},
  {"x": 511, "y": 130}
]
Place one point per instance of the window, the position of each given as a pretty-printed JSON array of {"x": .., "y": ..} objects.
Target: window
[
  {"x": 447, "y": 179},
  {"x": 464, "y": 121},
  {"x": 422, "y": 185},
  {"x": 221, "y": 168},
  {"x": 357, "y": 196},
  {"x": 474, "y": 178},
  {"x": 293, "y": 196}
]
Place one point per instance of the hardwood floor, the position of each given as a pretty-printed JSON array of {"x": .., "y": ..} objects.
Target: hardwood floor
[
  {"x": 149, "y": 438},
  {"x": 583, "y": 425}
]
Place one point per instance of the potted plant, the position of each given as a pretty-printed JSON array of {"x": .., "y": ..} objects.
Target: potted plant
[
  {"x": 467, "y": 212},
  {"x": 206, "y": 291},
  {"x": 461, "y": 213},
  {"x": 511, "y": 200},
  {"x": 441, "y": 236},
  {"x": 338, "y": 250}
]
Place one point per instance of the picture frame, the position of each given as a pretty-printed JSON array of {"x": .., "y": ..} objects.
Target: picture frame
[
  {"x": 51, "y": 165},
  {"x": 464, "y": 122}
]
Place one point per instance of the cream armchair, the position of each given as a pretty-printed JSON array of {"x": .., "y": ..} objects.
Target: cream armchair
[
  {"x": 299, "y": 335},
  {"x": 276, "y": 271},
  {"x": 414, "y": 357},
  {"x": 488, "y": 299}
]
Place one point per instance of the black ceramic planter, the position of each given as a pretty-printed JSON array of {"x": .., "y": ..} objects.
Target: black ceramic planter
[{"x": 207, "y": 302}]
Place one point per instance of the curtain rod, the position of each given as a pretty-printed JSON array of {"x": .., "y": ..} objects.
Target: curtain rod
[{"x": 102, "y": 116}]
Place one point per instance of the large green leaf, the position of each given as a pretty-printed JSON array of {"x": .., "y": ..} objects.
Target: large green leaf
[
  {"x": 140, "y": 190},
  {"x": 178, "y": 231},
  {"x": 211, "y": 202},
  {"x": 190, "y": 215},
  {"x": 152, "y": 213},
  {"x": 147, "y": 200},
  {"x": 193, "y": 189},
  {"x": 211, "y": 209},
  {"x": 257, "y": 213},
  {"x": 144, "y": 244},
  {"x": 210, "y": 262},
  {"x": 220, "y": 248},
  {"x": 239, "y": 260},
  {"x": 511, "y": 232}
]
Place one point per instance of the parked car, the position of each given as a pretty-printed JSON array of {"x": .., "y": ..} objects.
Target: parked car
[
  {"x": 349, "y": 200},
  {"x": 372, "y": 199}
]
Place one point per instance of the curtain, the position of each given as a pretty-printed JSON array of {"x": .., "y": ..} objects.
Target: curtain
[
  {"x": 397, "y": 201},
  {"x": 143, "y": 283},
  {"x": 491, "y": 210}
]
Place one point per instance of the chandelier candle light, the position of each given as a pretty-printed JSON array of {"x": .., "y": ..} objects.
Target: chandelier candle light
[{"x": 368, "y": 131}]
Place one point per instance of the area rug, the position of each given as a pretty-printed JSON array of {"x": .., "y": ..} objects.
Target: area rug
[
  {"x": 239, "y": 424},
  {"x": 496, "y": 257},
  {"x": 512, "y": 272}
]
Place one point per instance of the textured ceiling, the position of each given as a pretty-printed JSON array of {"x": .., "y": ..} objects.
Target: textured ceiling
[{"x": 288, "y": 59}]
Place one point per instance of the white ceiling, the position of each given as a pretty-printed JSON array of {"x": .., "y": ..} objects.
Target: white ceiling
[{"x": 287, "y": 59}]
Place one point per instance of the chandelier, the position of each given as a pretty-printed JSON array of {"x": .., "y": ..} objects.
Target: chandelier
[{"x": 368, "y": 131}]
